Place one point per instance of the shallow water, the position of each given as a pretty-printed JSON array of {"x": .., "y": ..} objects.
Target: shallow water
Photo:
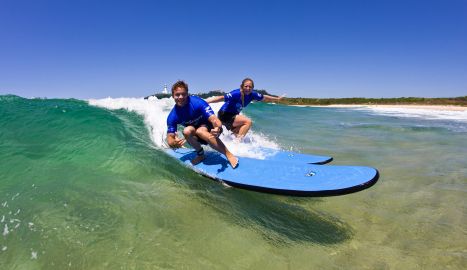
[{"x": 85, "y": 185}]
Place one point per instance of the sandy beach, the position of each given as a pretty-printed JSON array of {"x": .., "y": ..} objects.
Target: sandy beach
[{"x": 417, "y": 107}]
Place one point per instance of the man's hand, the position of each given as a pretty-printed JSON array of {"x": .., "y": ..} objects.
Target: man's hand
[
  {"x": 173, "y": 141},
  {"x": 177, "y": 143},
  {"x": 216, "y": 131}
]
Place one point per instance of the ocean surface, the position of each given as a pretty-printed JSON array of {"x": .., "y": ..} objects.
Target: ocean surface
[{"x": 84, "y": 184}]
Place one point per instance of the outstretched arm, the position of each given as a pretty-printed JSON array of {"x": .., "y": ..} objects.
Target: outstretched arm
[
  {"x": 269, "y": 98},
  {"x": 173, "y": 141},
  {"x": 215, "y": 99}
]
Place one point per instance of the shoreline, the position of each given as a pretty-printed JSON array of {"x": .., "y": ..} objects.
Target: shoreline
[{"x": 394, "y": 106}]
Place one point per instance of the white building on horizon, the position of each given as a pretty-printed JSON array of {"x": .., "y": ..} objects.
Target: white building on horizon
[{"x": 165, "y": 89}]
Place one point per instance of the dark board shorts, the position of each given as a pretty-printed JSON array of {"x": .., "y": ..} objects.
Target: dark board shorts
[{"x": 227, "y": 119}]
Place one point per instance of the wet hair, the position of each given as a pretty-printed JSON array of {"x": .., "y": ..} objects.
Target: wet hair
[
  {"x": 180, "y": 84},
  {"x": 248, "y": 79}
]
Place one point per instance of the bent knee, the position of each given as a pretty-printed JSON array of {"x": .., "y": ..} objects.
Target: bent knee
[
  {"x": 200, "y": 132},
  {"x": 189, "y": 131}
]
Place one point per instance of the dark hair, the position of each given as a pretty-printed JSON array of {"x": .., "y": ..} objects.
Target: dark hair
[
  {"x": 180, "y": 84},
  {"x": 247, "y": 79}
]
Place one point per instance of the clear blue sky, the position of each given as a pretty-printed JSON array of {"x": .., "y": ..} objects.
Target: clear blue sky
[{"x": 327, "y": 48}]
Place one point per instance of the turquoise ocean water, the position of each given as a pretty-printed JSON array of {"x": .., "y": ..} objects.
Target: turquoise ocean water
[{"x": 85, "y": 185}]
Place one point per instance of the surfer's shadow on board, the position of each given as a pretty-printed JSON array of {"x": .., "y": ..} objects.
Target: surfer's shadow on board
[
  {"x": 211, "y": 159},
  {"x": 279, "y": 222}
]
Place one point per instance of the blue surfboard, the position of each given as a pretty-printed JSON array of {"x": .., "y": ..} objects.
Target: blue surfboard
[
  {"x": 281, "y": 176},
  {"x": 287, "y": 156}
]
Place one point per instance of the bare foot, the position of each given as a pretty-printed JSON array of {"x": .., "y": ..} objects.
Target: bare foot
[
  {"x": 232, "y": 160},
  {"x": 197, "y": 159}
]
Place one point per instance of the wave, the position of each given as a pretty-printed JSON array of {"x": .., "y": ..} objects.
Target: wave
[
  {"x": 155, "y": 112},
  {"x": 428, "y": 114}
]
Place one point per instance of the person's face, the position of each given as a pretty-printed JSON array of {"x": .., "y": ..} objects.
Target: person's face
[
  {"x": 180, "y": 96},
  {"x": 247, "y": 87}
]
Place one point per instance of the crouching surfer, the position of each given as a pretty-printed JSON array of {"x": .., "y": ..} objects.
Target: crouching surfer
[
  {"x": 201, "y": 125},
  {"x": 235, "y": 101}
]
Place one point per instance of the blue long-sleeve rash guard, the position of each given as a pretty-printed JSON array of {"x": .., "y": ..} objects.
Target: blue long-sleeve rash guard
[
  {"x": 233, "y": 101},
  {"x": 195, "y": 113}
]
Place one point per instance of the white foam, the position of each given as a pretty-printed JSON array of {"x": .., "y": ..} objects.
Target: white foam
[
  {"x": 16, "y": 195},
  {"x": 155, "y": 112},
  {"x": 5, "y": 230},
  {"x": 419, "y": 113}
]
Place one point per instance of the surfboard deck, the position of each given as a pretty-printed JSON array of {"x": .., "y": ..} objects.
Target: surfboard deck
[
  {"x": 281, "y": 176},
  {"x": 289, "y": 156}
]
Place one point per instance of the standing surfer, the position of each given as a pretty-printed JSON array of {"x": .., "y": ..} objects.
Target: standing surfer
[
  {"x": 201, "y": 125},
  {"x": 235, "y": 101}
]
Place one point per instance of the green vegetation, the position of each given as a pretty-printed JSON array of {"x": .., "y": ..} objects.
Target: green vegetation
[{"x": 460, "y": 101}]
